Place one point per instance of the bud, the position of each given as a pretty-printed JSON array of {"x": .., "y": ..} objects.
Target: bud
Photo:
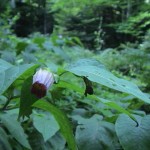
[{"x": 42, "y": 80}]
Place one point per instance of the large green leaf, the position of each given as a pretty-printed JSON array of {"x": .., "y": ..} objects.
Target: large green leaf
[
  {"x": 62, "y": 120},
  {"x": 16, "y": 130},
  {"x": 96, "y": 72},
  {"x": 45, "y": 124},
  {"x": 109, "y": 103},
  {"x": 4, "y": 144},
  {"x": 27, "y": 98},
  {"x": 9, "y": 56},
  {"x": 57, "y": 142},
  {"x": 9, "y": 75},
  {"x": 95, "y": 134},
  {"x": 131, "y": 136},
  {"x": 4, "y": 65}
]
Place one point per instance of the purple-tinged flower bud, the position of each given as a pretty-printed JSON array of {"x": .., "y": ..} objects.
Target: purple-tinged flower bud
[{"x": 42, "y": 80}]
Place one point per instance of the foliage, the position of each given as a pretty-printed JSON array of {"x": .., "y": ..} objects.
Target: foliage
[
  {"x": 17, "y": 80},
  {"x": 100, "y": 100},
  {"x": 136, "y": 25},
  {"x": 32, "y": 11},
  {"x": 139, "y": 133},
  {"x": 107, "y": 23}
]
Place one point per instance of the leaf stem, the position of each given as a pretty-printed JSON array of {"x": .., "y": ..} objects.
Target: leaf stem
[{"x": 6, "y": 104}]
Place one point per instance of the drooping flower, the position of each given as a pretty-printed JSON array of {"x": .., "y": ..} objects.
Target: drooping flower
[{"x": 42, "y": 80}]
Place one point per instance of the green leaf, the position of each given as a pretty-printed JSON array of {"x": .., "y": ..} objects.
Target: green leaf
[
  {"x": 28, "y": 57},
  {"x": 62, "y": 120},
  {"x": 36, "y": 140},
  {"x": 45, "y": 124},
  {"x": 111, "y": 104},
  {"x": 64, "y": 84},
  {"x": 21, "y": 47},
  {"x": 15, "y": 129},
  {"x": 39, "y": 40},
  {"x": 96, "y": 72},
  {"x": 29, "y": 72},
  {"x": 27, "y": 98},
  {"x": 132, "y": 136},
  {"x": 4, "y": 144},
  {"x": 9, "y": 56},
  {"x": 57, "y": 142},
  {"x": 9, "y": 75},
  {"x": 4, "y": 65},
  {"x": 95, "y": 134},
  {"x": 60, "y": 52}
]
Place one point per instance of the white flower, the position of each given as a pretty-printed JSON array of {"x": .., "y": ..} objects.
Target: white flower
[{"x": 42, "y": 80}]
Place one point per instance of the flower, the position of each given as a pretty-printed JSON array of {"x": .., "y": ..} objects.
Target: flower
[{"x": 42, "y": 80}]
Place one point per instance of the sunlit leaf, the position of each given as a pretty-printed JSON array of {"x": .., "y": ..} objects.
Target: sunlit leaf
[{"x": 21, "y": 46}]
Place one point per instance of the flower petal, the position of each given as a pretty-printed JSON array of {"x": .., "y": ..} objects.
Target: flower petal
[
  {"x": 44, "y": 77},
  {"x": 38, "y": 89}
]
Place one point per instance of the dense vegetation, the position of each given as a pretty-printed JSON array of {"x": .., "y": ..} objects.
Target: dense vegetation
[{"x": 99, "y": 54}]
